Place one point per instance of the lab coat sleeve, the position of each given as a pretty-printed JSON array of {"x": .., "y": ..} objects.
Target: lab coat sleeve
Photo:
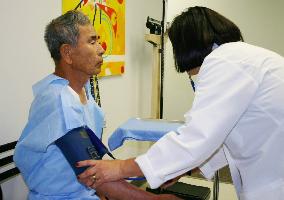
[
  {"x": 223, "y": 92},
  {"x": 215, "y": 162}
]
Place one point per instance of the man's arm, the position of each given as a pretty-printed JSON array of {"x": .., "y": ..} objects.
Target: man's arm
[{"x": 121, "y": 190}]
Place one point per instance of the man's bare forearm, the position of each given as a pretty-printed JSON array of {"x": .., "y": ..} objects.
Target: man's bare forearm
[{"x": 122, "y": 190}]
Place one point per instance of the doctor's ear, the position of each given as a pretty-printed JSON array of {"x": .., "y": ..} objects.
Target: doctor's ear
[{"x": 65, "y": 52}]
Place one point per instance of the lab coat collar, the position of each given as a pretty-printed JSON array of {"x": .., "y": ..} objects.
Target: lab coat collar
[{"x": 214, "y": 46}]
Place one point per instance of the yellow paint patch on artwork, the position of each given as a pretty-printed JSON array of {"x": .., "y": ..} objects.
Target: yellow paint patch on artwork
[{"x": 112, "y": 68}]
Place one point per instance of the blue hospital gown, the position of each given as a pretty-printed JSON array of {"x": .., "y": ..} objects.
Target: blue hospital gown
[{"x": 54, "y": 112}]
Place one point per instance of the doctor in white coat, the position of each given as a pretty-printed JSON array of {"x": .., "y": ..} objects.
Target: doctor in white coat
[{"x": 237, "y": 117}]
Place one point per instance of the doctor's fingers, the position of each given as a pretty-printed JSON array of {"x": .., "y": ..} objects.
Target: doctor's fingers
[
  {"x": 90, "y": 172},
  {"x": 86, "y": 163}
]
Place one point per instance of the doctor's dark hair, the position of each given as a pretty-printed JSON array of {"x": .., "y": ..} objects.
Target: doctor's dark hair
[
  {"x": 64, "y": 30},
  {"x": 194, "y": 32}
]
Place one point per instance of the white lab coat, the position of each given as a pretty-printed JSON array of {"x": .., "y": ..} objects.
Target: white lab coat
[{"x": 237, "y": 118}]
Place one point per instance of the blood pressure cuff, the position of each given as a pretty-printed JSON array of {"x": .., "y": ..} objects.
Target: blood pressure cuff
[{"x": 81, "y": 144}]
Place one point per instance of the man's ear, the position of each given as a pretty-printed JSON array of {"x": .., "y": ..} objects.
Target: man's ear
[{"x": 65, "y": 51}]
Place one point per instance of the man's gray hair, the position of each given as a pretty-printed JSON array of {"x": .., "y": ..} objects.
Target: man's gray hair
[{"x": 64, "y": 30}]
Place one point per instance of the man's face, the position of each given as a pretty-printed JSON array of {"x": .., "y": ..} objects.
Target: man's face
[{"x": 87, "y": 55}]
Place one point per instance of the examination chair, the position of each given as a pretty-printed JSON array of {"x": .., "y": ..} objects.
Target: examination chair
[{"x": 6, "y": 161}]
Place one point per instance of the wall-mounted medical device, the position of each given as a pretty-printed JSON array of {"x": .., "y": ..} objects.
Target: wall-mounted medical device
[{"x": 154, "y": 25}]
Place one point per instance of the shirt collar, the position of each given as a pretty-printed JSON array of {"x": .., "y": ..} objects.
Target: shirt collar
[{"x": 41, "y": 85}]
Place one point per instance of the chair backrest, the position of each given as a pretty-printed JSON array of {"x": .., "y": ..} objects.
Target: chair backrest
[{"x": 7, "y": 169}]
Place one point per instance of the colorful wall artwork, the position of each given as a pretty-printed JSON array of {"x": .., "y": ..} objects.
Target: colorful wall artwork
[{"x": 108, "y": 17}]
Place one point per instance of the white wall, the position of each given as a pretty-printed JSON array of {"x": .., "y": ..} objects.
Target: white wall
[
  {"x": 24, "y": 59},
  {"x": 260, "y": 21}
]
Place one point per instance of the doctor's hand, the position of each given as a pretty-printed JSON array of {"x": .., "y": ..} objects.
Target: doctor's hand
[{"x": 100, "y": 171}]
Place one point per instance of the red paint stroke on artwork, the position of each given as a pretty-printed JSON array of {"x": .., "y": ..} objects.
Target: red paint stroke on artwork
[
  {"x": 104, "y": 45},
  {"x": 111, "y": 13},
  {"x": 122, "y": 69}
]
